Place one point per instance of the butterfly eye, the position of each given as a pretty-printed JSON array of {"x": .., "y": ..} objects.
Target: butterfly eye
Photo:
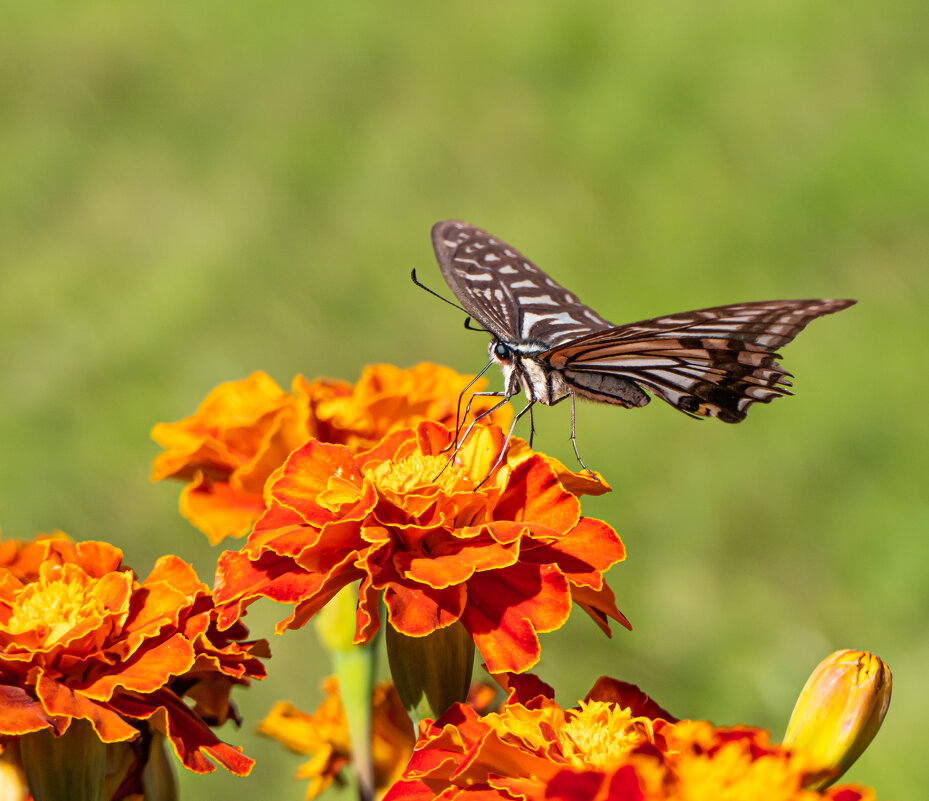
[{"x": 501, "y": 351}]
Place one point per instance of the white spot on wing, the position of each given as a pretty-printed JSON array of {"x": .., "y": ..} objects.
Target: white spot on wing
[{"x": 530, "y": 319}]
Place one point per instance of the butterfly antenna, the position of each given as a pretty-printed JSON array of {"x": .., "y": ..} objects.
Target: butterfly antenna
[
  {"x": 436, "y": 294},
  {"x": 472, "y": 328}
]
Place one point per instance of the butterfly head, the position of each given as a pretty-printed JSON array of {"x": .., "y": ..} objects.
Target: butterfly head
[{"x": 507, "y": 357}]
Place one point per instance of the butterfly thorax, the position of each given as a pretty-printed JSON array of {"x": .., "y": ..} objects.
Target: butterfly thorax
[{"x": 523, "y": 369}]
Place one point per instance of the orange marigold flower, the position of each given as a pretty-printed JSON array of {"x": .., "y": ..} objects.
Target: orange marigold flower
[
  {"x": 82, "y": 638},
  {"x": 618, "y": 745},
  {"x": 387, "y": 398},
  {"x": 243, "y": 431},
  {"x": 506, "y": 557}
]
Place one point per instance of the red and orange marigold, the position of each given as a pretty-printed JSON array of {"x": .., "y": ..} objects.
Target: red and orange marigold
[
  {"x": 243, "y": 431},
  {"x": 506, "y": 556},
  {"x": 618, "y": 745},
  {"x": 82, "y": 639}
]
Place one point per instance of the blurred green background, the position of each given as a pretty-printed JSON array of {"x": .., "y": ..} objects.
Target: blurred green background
[{"x": 189, "y": 192}]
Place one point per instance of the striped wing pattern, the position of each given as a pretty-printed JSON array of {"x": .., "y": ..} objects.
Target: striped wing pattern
[
  {"x": 712, "y": 362},
  {"x": 507, "y": 293}
]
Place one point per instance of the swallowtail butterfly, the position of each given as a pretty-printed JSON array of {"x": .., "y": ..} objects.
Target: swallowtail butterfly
[{"x": 712, "y": 362}]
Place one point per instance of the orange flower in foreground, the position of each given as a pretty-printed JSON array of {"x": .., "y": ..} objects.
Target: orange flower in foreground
[
  {"x": 244, "y": 430},
  {"x": 618, "y": 745},
  {"x": 506, "y": 557},
  {"x": 82, "y": 638}
]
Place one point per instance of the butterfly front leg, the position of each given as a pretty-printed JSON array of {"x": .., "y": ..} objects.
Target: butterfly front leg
[
  {"x": 459, "y": 420},
  {"x": 458, "y": 444}
]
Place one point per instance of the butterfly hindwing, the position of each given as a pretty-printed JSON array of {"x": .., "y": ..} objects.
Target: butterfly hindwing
[{"x": 711, "y": 362}]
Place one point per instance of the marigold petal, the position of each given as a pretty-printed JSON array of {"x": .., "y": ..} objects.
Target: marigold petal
[
  {"x": 438, "y": 570},
  {"x": 586, "y": 552},
  {"x": 178, "y": 574},
  {"x": 414, "y": 791},
  {"x": 580, "y": 483},
  {"x": 146, "y": 671},
  {"x": 417, "y": 612},
  {"x": 507, "y": 608},
  {"x": 524, "y": 687},
  {"x": 219, "y": 509},
  {"x": 533, "y": 492},
  {"x": 189, "y": 736},
  {"x": 20, "y": 713},
  {"x": 96, "y": 558},
  {"x": 270, "y": 576},
  {"x": 570, "y": 785},
  {"x": 312, "y": 470},
  {"x": 627, "y": 696},
  {"x": 58, "y": 699},
  {"x": 600, "y": 605}
]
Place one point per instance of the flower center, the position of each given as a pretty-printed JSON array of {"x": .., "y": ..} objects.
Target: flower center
[
  {"x": 600, "y": 734},
  {"x": 420, "y": 471},
  {"x": 52, "y": 607}
]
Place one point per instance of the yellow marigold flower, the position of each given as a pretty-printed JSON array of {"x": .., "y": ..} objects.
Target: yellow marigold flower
[
  {"x": 324, "y": 735},
  {"x": 81, "y": 638},
  {"x": 839, "y": 711},
  {"x": 244, "y": 430},
  {"x": 618, "y": 745}
]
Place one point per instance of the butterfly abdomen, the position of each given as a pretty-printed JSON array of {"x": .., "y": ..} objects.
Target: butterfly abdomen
[{"x": 605, "y": 388}]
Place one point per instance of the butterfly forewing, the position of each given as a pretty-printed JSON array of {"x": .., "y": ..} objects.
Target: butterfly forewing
[
  {"x": 711, "y": 362},
  {"x": 505, "y": 292}
]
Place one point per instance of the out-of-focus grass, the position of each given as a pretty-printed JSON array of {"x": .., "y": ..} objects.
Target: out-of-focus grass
[{"x": 189, "y": 192}]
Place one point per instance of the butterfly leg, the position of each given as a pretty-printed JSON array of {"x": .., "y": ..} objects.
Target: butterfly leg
[
  {"x": 531, "y": 426},
  {"x": 509, "y": 436},
  {"x": 467, "y": 411},
  {"x": 474, "y": 422},
  {"x": 459, "y": 421},
  {"x": 574, "y": 444}
]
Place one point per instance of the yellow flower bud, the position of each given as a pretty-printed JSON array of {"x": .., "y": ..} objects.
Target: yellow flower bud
[{"x": 839, "y": 711}]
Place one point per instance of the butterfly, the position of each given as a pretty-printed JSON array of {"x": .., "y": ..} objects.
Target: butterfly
[{"x": 712, "y": 362}]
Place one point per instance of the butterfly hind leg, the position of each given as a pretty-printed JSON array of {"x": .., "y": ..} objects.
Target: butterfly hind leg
[{"x": 574, "y": 445}]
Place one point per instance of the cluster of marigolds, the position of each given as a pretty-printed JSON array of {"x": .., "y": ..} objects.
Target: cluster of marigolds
[{"x": 351, "y": 488}]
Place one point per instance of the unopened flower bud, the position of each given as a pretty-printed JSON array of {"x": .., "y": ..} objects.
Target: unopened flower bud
[{"x": 839, "y": 711}]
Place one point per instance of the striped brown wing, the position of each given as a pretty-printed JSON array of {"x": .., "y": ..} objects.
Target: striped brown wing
[
  {"x": 711, "y": 363},
  {"x": 505, "y": 292}
]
